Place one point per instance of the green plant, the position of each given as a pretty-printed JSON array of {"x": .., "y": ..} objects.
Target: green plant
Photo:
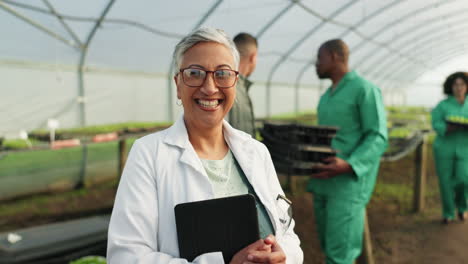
[{"x": 90, "y": 260}]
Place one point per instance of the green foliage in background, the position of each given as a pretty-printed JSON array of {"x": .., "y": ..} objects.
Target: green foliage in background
[
  {"x": 19, "y": 143},
  {"x": 90, "y": 260},
  {"x": 92, "y": 130}
]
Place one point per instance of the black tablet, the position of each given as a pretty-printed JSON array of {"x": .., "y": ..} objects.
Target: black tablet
[{"x": 226, "y": 224}]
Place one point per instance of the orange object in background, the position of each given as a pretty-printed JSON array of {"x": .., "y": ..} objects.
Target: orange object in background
[
  {"x": 58, "y": 144},
  {"x": 105, "y": 137}
]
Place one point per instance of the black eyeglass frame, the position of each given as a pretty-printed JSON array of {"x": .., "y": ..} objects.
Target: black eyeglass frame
[{"x": 181, "y": 71}]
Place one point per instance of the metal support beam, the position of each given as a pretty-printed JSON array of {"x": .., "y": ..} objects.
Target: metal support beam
[
  {"x": 396, "y": 22},
  {"x": 444, "y": 57},
  {"x": 364, "y": 20},
  {"x": 64, "y": 24},
  {"x": 127, "y": 22},
  {"x": 170, "y": 87},
  {"x": 37, "y": 25},
  {"x": 438, "y": 61},
  {"x": 81, "y": 90},
  {"x": 295, "y": 46},
  {"x": 412, "y": 30},
  {"x": 426, "y": 52},
  {"x": 434, "y": 44},
  {"x": 275, "y": 19}
]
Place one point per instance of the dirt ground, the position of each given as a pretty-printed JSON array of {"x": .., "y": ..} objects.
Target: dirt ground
[{"x": 398, "y": 235}]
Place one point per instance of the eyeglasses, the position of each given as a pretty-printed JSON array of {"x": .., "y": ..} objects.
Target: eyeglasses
[{"x": 223, "y": 78}]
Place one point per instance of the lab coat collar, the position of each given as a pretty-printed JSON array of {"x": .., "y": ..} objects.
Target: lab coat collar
[{"x": 177, "y": 135}]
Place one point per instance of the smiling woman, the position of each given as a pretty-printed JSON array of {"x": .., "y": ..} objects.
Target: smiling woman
[
  {"x": 200, "y": 157},
  {"x": 206, "y": 98}
]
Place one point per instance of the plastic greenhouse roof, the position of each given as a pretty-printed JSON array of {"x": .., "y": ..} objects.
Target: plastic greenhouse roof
[{"x": 392, "y": 42}]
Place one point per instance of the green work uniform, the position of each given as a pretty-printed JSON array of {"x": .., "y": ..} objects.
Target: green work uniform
[
  {"x": 451, "y": 157},
  {"x": 356, "y": 107},
  {"x": 241, "y": 115}
]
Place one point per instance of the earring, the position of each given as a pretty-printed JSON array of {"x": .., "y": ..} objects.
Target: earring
[{"x": 179, "y": 102}]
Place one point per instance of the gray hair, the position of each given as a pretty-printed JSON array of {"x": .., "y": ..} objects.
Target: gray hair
[{"x": 204, "y": 35}]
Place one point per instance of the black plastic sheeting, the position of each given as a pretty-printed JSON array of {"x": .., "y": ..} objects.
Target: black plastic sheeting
[{"x": 56, "y": 243}]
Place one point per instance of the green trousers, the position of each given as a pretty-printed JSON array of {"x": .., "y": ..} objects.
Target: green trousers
[
  {"x": 453, "y": 183},
  {"x": 340, "y": 225}
]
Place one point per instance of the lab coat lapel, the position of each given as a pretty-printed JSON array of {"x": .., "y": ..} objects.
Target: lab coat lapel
[
  {"x": 178, "y": 136},
  {"x": 252, "y": 166},
  {"x": 248, "y": 160},
  {"x": 242, "y": 152}
]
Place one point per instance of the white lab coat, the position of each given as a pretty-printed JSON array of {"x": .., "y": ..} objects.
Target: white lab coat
[{"x": 163, "y": 170}]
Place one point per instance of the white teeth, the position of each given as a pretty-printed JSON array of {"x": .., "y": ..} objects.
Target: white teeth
[{"x": 208, "y": 103}]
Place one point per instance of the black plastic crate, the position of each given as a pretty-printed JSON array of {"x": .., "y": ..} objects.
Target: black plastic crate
[{"x": 299, "y": 134}]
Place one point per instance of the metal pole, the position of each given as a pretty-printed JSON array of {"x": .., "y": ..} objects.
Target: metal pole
[
  {"x": 296, "y": 45},
  {"x": 424, "y": 24},
  {"x": 64, "y": 24},
  {"x": 81, "y": 91},
  {"x": 37, "y": 25},
  {"x": 396, "y": 22},
  {"x": 437, "y": 42},
  {"x": 170, "y": 92},
  {"x": 349, "y": 30},
  {"x": 275, "y": 19}
]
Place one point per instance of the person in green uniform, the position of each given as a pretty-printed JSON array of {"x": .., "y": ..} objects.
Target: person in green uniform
[
  {"x": 241, "y": 115},
  {"x": 344, "y": 184},
  {"x": 451, "y": 148}
]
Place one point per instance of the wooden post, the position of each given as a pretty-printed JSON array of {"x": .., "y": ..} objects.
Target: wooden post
[
  {"x": 122, "y": 155},
  {"x": 367, "y": 256},
  {"x": 420, "y": 161}
]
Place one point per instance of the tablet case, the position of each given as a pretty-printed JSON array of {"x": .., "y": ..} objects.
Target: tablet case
[{"x": 225, "y": 224}]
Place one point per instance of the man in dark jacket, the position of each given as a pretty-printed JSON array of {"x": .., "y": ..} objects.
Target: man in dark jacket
[{"x": 241, "y": 115}]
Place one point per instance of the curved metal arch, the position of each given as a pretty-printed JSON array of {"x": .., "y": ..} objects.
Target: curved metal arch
[
  {"x": 84, "y": 53},
  {"x": 296, "y": 45},
  {"x": 398, "y": 21},
  {"x": 258, "y": 36},
  {"x": 170, "y": 88},
  {"x": 92, "y": 19},
  {"x": 422, "y": 25},
  {"x": 390, "y": 61},
  {"x": 275, "y": 19},
  {"x": 432, "y": 40},
  {"x": 449, "y": 55},
  {"x": 62, "y": 22},
  {"x": 423, "y": 52},
  {"x": 38, "y": 25},
  {"x": 406, "y": 70},
  {"x": 442, "y": 60},
  {"x": 344, "y": 34},
  {"x": 446, "y": 54}
]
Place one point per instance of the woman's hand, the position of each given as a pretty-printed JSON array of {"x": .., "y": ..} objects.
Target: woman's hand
[
  {"x": 275, "y": 256},
  {"x": 242, "y": 257}
]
